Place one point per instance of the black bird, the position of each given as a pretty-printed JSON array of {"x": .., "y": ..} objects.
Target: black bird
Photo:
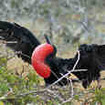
[{"x": 92, "y": 57}]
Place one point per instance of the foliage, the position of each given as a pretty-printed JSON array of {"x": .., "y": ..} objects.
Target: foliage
[
  {"x": 11, "y": 85},
  {"x": 16, "y": 89}
]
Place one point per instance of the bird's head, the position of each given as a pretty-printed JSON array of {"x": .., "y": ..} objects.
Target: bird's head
[{"x": 39, "y": 57}]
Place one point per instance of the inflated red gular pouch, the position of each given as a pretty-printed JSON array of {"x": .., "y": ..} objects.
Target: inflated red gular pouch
[{"x": 38, "y": 59}]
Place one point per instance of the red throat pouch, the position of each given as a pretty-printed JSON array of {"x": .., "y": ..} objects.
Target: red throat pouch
[{"x": 38, "y": 59}]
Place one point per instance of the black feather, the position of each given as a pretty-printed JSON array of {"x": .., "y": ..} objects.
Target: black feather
[{"x": 26, "y": 41}]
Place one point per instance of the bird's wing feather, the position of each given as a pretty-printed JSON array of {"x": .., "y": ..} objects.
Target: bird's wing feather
[
  {"x": 100, "y": 57},
  {"x": 94, "y": 52},
  {"x": 92, "y": 58},
  {"x": 25, "y": 41}
]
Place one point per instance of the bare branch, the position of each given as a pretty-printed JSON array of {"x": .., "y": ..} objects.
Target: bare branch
[{"x": 69, "y": 72}]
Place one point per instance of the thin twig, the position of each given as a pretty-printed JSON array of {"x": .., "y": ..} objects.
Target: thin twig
[
  {"x": 6, "y": 42},
  {"x": 67, "y": 73},
  {"x": 72, "y": 90}
]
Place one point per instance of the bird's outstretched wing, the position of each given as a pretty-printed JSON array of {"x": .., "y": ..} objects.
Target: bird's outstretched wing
[{"x": 19, "y": 39}]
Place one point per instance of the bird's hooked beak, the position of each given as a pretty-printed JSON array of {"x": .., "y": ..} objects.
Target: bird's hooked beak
[
  {"x": 49, "y": 42},
  {"x": 47, "y": 39}
]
